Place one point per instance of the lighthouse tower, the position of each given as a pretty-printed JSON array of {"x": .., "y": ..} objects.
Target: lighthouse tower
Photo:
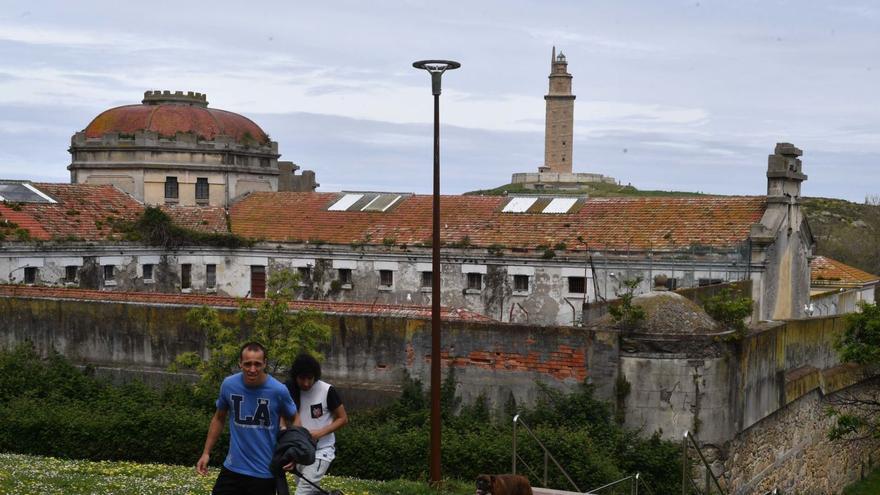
[{"x": 560, "y": 117}]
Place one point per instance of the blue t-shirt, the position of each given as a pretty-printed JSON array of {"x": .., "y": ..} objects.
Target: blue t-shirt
[{"x": 253, "y": 422}]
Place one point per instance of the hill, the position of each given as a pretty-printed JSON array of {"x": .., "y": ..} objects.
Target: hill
[{"x": 846, "y": 231}]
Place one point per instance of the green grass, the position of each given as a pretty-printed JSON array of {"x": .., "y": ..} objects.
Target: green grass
[
  {"x": 23, "y": 474},
  {"x": 868, "y": 486}
]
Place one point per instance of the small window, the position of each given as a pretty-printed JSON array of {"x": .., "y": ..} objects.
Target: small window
[
  {"x": 171, "y": 188},
  {"x": 186, "y": 276},
  {"x": 305, "y": 273},
  {"x": 70, "y": 273},
  {"x": 258, "y": 281},
  {"x": 211, "y": 276},
  {"x": 386, "y": 278},
  {"x": 30, "y": 275},
  {"x": 577, "y": 285},
  {"x": 109, "y": 273},
  {"x": 202, "y": 189},
  {"x": 427, "y": 279},
  {"x": 521, "y": 283},
  {"x": 671, "y": 283},
  {"x": 345, "y": 276},
  {"x": 148, "y": 271},
  {"x": 475, "y": 281}
]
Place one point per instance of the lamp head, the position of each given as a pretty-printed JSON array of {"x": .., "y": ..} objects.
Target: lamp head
[{"x": 436, "y": 68}]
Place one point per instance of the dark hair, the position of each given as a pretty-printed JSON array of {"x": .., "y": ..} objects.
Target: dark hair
[
  {"x": 253, "y": 347},
  {"x": 305, "y": 365}
]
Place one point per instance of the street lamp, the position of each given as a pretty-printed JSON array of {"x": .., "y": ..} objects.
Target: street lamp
[{"x": 436, "y": 68}]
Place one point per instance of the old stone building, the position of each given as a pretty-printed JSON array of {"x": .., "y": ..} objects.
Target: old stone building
[
  {"x": 529, "y": 259},
  {"x": 172, "y": 149}
]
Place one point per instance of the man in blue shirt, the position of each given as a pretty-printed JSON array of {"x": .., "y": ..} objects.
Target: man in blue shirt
[{"x": 258, "y": 403}]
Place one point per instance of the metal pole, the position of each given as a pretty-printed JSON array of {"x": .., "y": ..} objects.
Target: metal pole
[
  {"x": 684, "y": 463},
  {"x": 545, "y": 468},
  {"x": 436, "y": 68},
  {"x": 513, "y": 470}
]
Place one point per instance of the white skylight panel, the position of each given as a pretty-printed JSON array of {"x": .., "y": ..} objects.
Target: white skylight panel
[
  {"x": 345, "y": 202},
  {"x": 519, "y": 205},
  {"x": 560, "y": 205}
]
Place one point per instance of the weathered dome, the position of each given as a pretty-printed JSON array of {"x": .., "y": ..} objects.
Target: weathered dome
[
  {"x": 671, "y": 313},
  {"x": 168, "y": 113}
]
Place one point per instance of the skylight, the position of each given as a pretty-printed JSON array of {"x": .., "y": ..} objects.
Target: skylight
[
  {"x": 345, "y": 202},
  {"x": 22, "y": 192},
  {"x": 519, "y": 205},
  {"x": 560, "y": 205}
]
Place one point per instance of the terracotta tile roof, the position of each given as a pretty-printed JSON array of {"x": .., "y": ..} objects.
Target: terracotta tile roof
[
  {"x": 331, "y": 307},
  {"x": 201, "y": 218},
  {"x": 81, "y": 212},
  {"x": 658, "y": 223},
  {"x": 830, "y": 272},
  {"x": 169, "y": 119}
]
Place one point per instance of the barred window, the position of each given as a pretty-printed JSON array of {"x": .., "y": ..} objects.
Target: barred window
[
  {"x": 521, "y": 283},
  {"x": 475, "y": 281},
  {"x": 210, "y": 276},
  {"x": 171, "y": 188},
  {"x": 577, "y": 285},
  {"x": 386, "y": 278},
  {"x": 186, "y": 276},
  {"x": 202, "y": 190}
]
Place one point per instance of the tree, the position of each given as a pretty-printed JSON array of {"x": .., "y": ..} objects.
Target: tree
[
  {"x": 858, "y": 415},
  {"x": 284, "y": 333},
  {"x": 730, "y": 308},
  {"x": 625, "y": 314}
]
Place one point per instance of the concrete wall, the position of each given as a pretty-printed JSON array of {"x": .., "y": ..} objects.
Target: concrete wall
[{"x": 366, "y": 353}]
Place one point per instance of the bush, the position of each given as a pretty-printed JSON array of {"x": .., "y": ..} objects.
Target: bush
[{"x": 50, "y": 407}]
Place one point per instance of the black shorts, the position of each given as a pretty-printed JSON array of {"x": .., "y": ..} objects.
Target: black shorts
[{"x": 232, "y": 483}]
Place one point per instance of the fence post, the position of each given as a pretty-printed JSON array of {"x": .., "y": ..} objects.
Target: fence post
[
  {"x": 684, "y": 463},
  {"x": 545, "y": 468},
  {"x": 514, "y": 444}
]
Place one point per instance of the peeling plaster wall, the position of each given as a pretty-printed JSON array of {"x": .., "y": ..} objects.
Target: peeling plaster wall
[
  {"x": 678, "y": 394},
  {"x": 548, "y": 299},
  {"x": 366, "y": 353}
]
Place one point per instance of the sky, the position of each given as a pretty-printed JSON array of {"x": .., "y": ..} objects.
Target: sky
[{"x": 671, "y": 95}]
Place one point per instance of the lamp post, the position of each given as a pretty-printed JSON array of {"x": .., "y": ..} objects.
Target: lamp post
[{"x": 436, "y": 68}]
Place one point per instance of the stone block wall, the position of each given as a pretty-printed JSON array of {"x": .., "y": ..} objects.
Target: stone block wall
[{"x": 790, "y": 451}]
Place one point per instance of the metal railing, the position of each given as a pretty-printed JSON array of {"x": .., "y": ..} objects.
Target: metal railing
[
  {"x": 547, "y": 455},
  {"x": 635, "y": 480},
  {"x": 686, "y": 478}
]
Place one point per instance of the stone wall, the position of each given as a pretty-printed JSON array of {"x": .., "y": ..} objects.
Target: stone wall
[
  {"x": 366, "y": 353},
  {"x": 790, "y": 451}
]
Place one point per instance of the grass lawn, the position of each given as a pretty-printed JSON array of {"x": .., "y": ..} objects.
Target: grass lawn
[
  {"x": 868, "y": 486},
  {"x": 22, "y": 474}
]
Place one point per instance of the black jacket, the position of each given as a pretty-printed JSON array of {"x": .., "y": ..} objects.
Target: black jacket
[{"x": 293, "y": 445}]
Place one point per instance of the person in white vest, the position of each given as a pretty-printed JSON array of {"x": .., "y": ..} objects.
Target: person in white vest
[{"x": 322, "y": 414}]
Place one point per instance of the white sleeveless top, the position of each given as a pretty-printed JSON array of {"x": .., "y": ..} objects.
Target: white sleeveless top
[{"x": 315, "y": 414}]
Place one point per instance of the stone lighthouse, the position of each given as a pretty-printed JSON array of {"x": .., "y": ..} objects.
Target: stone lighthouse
[
  {"x": 560, "y": 117},
  {"x": 556, "y": 174}
]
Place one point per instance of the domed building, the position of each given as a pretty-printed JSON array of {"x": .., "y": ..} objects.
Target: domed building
[{"x": 172, "y": 149}]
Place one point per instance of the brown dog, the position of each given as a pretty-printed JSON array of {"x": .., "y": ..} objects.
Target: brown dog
[{"x": 503, "y": 484}]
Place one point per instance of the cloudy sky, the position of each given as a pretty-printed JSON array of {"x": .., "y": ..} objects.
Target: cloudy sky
[{"x": 670, "y": 95}]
